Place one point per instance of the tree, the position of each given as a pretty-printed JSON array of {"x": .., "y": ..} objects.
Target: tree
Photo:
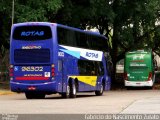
[
  {"x": 5, "y": 25},
  {"x": 36, "y": 10},
  {"x": 30, "y": 10},
  {"x": 128, "y": 24},
  {"x": 136, "y": 26}
]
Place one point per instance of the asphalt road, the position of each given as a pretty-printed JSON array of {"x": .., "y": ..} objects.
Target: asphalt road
[{"x": 112, "y": 102}]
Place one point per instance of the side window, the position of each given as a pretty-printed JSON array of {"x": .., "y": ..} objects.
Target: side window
[
  {"x": 82, "y": 67},
  {"x": 61, "y": 36},
  {"x": 90, "y": 68},
  {"x": 81, "y": 40},
  {"x": 70, "y": 38},
  {"x": 60, "y": 66},
  {"x": 66, "y": 36},
  {"x": 101, "y": 68}
]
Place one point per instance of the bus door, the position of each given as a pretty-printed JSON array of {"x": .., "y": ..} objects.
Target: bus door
[{"x": 61, "y": 85}]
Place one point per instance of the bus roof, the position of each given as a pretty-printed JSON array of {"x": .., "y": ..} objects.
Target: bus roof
[
  {"x": 60, "y": 25},
  {"x": 139, "y": 52},
  {"x": 80, "y": 30}
]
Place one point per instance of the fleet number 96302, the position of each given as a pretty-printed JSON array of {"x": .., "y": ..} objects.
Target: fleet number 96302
[{"x": 32, "y": 68}]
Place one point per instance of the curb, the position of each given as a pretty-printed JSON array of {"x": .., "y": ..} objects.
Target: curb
[
  {"x": 7, "y": 92},
  {"x": 5, "y": 88}
]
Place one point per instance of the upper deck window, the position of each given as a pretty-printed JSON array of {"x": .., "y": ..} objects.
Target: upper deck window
[
  {"x": 81, "y": 39},
  {"x": 32, "y": 33}
]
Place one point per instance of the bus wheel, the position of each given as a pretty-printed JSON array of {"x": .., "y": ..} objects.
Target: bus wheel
[
  {"x": 29, "y": 95},
  {"x": 67, "y": 93},
  {"x": 40, "y": 96},
  {"x": 73, "y": 91},
  {"x": 100, "y": 92}
]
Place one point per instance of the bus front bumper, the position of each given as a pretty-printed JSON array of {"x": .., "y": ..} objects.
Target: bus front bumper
[{"x": 139, "y": 83}]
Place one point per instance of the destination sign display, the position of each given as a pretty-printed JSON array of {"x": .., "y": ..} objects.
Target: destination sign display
[{"x": 32, "y": 33}]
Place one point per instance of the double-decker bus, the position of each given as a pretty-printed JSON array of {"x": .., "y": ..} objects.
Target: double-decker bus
[
  {"x": 139, "y": 69},
  {"x": 48, "y": 58}
]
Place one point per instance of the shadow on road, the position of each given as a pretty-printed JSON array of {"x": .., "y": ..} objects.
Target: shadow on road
[{"x": 78, "y": 96}]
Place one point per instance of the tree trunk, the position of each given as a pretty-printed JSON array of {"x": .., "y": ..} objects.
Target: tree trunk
[
  {"x": 114, "y": 53},
  {"x": 114, "y": 60}
]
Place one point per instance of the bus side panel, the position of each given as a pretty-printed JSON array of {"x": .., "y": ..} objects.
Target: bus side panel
[
  {"x": 69, "y": 69},
  {"x": 87, "y": 81}
]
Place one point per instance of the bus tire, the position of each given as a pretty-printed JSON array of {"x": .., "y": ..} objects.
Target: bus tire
[
  {"x": 67, "y": 93},
  {"x": 100, "y": 92},
  {"x": 150, "y": 87},
  {"x": 29, "y": 95},
  {"x": 40, "y": 96},
  {"x": 128, "y": 87},
  {"x": 73, "y": 91}
]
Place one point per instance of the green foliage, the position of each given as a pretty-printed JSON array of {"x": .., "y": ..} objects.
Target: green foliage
[
  {"x": 5, "y": 25},
  {"x": 128, "y": 24},
  {"x": 36, "y": 10},
  {"x": 24, "y": 11},
  {"x": 136, "y": 23}
]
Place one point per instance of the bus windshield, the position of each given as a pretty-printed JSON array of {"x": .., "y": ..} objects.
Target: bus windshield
[{"x": 32, "y": 33}]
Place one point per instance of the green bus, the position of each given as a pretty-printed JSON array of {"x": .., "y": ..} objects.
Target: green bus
[{"x": 139, "y": 69}]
